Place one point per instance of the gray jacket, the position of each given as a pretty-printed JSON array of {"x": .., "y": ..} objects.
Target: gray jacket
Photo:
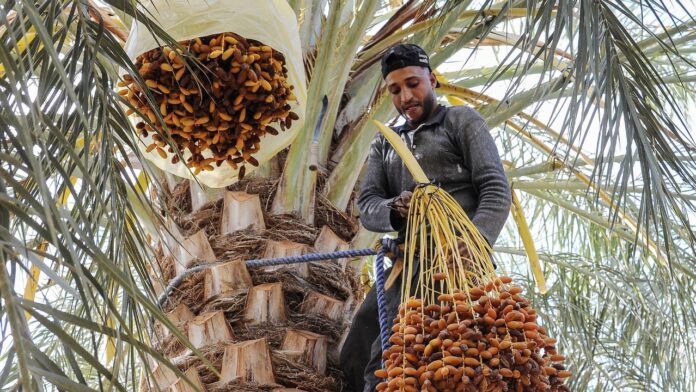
[{"x": 456, "y": 151}]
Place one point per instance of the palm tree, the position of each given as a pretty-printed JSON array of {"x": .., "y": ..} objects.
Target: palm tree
[{"x": 587, "y": 100}]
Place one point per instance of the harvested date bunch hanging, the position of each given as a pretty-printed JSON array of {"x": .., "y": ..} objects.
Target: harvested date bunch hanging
[
  {"x": 217, "y": 111},
  {"x": 459, "y": 326},
  {"x": 486, "y": 339}
]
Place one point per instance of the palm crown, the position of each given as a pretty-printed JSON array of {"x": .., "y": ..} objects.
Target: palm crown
[{"x": 587, "y": 100}]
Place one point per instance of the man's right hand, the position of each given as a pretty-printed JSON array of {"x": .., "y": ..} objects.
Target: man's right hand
[{"x": 401, "y": 203}]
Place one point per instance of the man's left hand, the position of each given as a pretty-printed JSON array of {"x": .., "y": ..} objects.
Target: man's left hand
[
  {"x": 402, "y": 203},
  {"x": 464, "y": 255},
  {"x": 463, "y": 250}
]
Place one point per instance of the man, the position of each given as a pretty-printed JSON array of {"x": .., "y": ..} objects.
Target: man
[{"x": 455, "y": 149}]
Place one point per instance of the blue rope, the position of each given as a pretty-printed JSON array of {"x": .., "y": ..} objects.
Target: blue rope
[
  {"x": 267, "y": 263},
  {"x": 309, "y": 257},
  {"x": 388, "y": 246},
  {"x": 381, "y": 295}
]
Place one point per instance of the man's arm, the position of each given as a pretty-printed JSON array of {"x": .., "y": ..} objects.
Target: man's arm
[
  {"x": 487, "y": 175},
  {"x": 374, "y": 198}
]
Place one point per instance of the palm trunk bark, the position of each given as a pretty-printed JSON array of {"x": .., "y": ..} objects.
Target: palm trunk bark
[{"x": 262, "y": 328}]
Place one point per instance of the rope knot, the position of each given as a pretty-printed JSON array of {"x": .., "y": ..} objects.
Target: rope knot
[{"x": 392, "y": 246}]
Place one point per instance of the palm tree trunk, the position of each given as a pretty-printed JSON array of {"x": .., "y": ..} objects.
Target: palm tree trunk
[{"x": 278, "y": 327}]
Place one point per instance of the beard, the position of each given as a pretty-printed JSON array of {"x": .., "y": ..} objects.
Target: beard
[{"x": 427, "y": 106}]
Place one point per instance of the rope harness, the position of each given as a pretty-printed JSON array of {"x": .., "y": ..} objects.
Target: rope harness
[{"x": 389, "y": 248}]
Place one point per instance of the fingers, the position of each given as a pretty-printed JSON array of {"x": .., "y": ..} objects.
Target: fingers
[
  {"x": 463, "y": 250},
  {"x": 402, "y": 202},
  {"x": 403, "y": 211},
  {"x": 406, "y": 197}
]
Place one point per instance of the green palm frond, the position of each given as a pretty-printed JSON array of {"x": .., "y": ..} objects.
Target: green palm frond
[
  {"x": 60, "y": 121},
  {"x": 615, "y": 316},
  {"x": 617, "y": 84},
  {"x": 616, "y": 75}
]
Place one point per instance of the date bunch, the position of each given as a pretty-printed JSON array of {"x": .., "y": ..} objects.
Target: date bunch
[
  {"x": 218, "y": 105},
  {"x": 486, "y": 339}
]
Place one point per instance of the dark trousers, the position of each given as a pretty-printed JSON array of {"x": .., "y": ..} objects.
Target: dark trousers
[{"x": 361, "y": 354}]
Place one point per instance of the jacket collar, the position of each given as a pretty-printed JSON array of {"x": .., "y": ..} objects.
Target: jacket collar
[{"x": 437, "y": 118}]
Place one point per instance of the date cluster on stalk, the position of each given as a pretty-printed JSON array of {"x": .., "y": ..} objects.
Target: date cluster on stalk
[
  {"x": 484, "y": 340},
  {"x": 218, "y": 105}
]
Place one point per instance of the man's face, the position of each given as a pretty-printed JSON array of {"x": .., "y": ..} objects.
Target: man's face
[{"x": 412, "y": 90}]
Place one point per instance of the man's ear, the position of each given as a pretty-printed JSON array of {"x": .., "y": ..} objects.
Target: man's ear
[{"x": 433, "y": 79}]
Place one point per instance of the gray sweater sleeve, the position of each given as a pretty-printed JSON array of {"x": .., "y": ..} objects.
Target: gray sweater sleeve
[
  {"x": 487, "y": 175},
  {"x": 374, "y": 196}
]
